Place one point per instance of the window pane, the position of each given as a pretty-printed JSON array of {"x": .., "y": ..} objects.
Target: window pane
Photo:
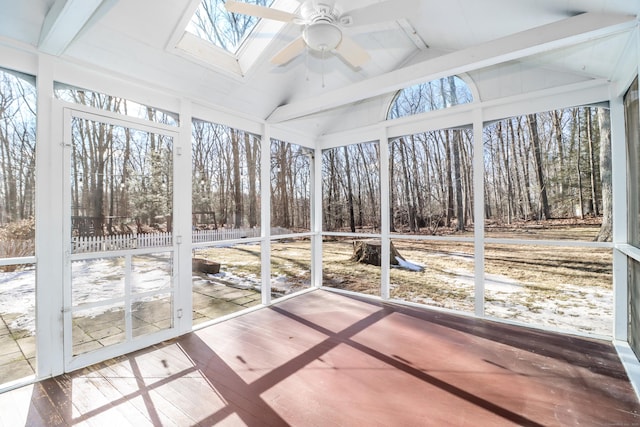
[
  {"x": 213, "y": 23},
  {"x": 17, "y": 321},
  {"x": 121, "y": 187},
  {"x": 634, "y": 305},
  {"x": 225, "y": 280},
  {"x": 431, "y": 183},
  {"x": 351, "y": 188},
  {"x": 17, "y": 225},
  {"x": 226, "y": 183},
  {"x": 98, "y": 327},
  {"x": 290, "y": 188},
  {"x": 114, "y": 104},
  {"x": 290, "y": 266},
  {"x": 632, "y": 121},
  {"x": 439, "y": 274},
  {"x": 342, "y": 270},
  {"x": 548, "y": 176},
  {"x": 97, "y": 280},
  {"x": 151, "y": 314},
  {"x": 434, "y": 95},
  {"x": 151, "y": 272},
  {"x": 569, "y": 288},
  {"x": 17, "y": 165}
]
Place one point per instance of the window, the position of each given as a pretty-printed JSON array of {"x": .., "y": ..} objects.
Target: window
[
  {"x": 17, "y": 225},
  {"x": 632, "y": 122},
  {"x": 351, "y": 204},
  {"x": 431, "y": 194},
  {"x": 547, "y": 180},
  {"x": 225, "y": 208},
  {"x": 434, "y": 95},
  {"x": 290, "y": 215},
  {"x": 213, "y": 23},
  {"x": 114, "y": 104},
  {"x": 351, "y": 188}
]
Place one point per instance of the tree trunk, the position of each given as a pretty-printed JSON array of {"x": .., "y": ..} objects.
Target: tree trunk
[
  {"x": 556, "y": 116},
  {"x": 458, "y": 181},
  {"x": 535, "y": 142},
  {"x": 449, "y": 179},
  {"x": 407, "y": 192},
  {"x": 237, "y": 182},
  {"x": 606, "y": 229},
  {"x": 352, "y": 219},
  {"x": 592, "y": 168},
  {"x": 579, "y": 171},
  {"x": 251, "y": 148}
]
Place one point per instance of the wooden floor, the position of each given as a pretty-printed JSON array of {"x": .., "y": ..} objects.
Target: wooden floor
[{"x": 324, "y": 359}]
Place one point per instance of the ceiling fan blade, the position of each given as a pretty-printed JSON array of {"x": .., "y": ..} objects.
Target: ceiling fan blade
[
  {"x": 289, "y": 52},
  {"x": 390, "y": 10},
  {"x": 352, "y": 52},
  {"x": 259, "y": 11}
]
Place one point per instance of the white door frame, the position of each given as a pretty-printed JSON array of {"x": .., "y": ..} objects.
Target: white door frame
[{"x": 130, "y": 343}]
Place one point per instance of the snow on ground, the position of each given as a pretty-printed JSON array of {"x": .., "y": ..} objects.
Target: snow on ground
[
  {"x": 409, "y": 265},
  {"x": 572, "y": 308},
  {"x": 17, "y": 296}
]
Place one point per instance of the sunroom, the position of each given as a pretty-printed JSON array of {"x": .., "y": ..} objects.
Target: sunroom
[{"x": 193, "y": 176}]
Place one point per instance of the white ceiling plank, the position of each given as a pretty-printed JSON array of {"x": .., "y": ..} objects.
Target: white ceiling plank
[
  {"x": 63, "y": 22},
  {"x": 560, "y": 34}
]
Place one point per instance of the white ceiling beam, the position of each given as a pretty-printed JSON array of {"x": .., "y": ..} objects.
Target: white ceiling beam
[
  {"x": 63, "y": 22},
  {"x": 557, "y": 35}
]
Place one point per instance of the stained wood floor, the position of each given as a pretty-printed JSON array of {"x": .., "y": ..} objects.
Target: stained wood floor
[{"x": 324, "y": 359}]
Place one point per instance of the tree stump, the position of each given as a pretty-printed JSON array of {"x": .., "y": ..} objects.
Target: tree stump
[
  {"x": 201, "y": 265},
  {"x": 369, "y": 252}
]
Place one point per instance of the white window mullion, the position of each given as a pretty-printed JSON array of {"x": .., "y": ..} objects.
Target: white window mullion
[
  {"x": 183, "y": 282},
  {"x": 385, "y": 220},
  {"x": 265, "y": 212},
  {"x": 316, "y": 219},
  {"x": 478, "y": 210}
]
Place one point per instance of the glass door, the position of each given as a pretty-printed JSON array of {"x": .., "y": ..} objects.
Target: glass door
[{"x": 120, "y": 275}]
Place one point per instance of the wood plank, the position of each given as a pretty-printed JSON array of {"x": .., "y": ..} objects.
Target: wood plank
[{"x": 323, "y": 358}]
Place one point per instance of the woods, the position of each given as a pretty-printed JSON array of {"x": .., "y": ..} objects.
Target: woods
[
  {"x": 17, "y": 165},
  {"x": 225, "y": 177},
  {"x": 553, "y": 165},
  {"x": 290, "y": 186},
  {"x": 351, "y": 188}
]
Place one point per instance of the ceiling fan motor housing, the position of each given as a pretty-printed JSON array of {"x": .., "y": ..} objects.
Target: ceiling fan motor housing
[{"x": 321, "y": 34}]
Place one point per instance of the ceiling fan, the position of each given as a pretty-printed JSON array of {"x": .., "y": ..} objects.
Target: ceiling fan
[{"x": 323, "y": 22}]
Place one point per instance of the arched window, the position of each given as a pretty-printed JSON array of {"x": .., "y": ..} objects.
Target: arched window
[{"x": 434, "y": 95}]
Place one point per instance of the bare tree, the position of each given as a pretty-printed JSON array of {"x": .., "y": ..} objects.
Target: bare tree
[{"x": 606, "y": 229}]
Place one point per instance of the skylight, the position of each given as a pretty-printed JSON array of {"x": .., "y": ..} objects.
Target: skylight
[
  {"x": 212, "y": 22},
  {"x": 430, "y": 96}
]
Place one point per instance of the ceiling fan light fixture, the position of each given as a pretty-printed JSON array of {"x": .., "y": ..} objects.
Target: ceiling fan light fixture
[{"x": 322, "y": 36}]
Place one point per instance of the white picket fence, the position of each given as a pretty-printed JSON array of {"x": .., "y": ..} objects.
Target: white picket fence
[
  {"x": 199, "y": 236},
  {"x": 151, "y": 240}
]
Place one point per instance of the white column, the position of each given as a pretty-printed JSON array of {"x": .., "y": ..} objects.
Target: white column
[
  {"x": 316, "y": 219},
  {"x": 265, "y": 213},
  {"x": 478, "y": 210},
  {"x": 49, "y": 220},
  {"x": 384, "y": 215},
  {"x": 620, "y": 215}
]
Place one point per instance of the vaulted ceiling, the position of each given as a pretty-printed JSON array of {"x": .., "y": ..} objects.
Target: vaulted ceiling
[{"x": 501, "y": 47}]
